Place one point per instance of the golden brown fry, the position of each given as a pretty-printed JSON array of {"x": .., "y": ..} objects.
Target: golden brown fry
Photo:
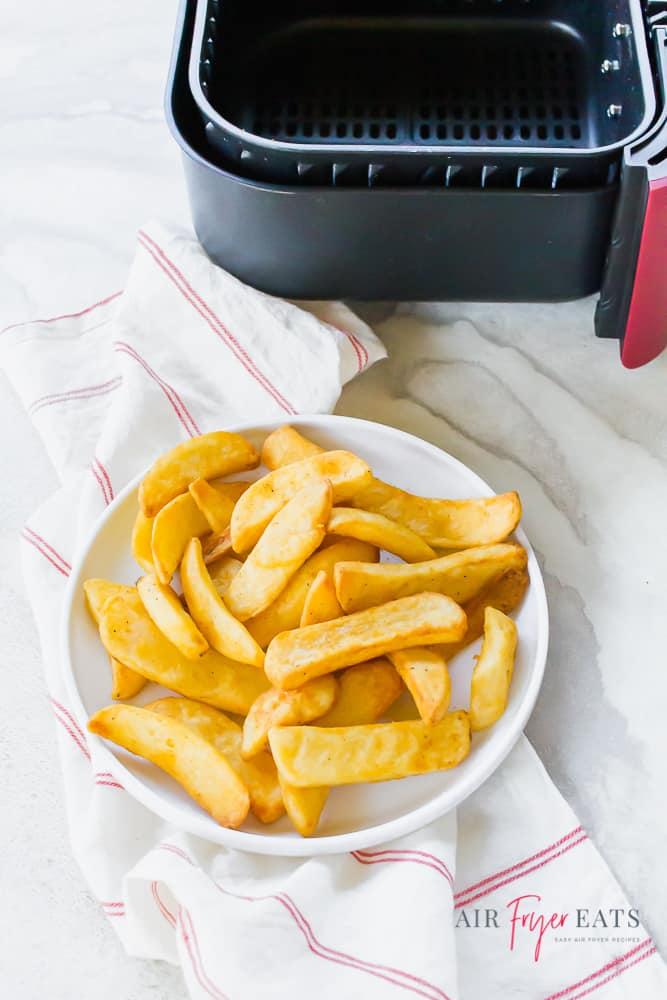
[
  {"x": 504, "y": 594},
  {"x": 448, "y": 524},
  {"x": 321, "y": 604},
  {"x": 165, "y": 608},
  {"x": 288, "y": 540},
  {"x": 285, "y": 612},
  {"x": 286, "y": 445},
  {"x": 492, "y": 674},
  {"x": 379, "y": 530},
  {"x": 365, "y": 692},
  {"x": 262, "y": 501},
  {"x": 178, "y": 522},
  {"x": 303, "y": 805},
  {"x": 426, "y": 677},
  {"x": 216, "y": 500},
  {"x": 259, "y": 775},
  {"x": 192, "y": 761},
  {"x": 142, "y": 535},
  {"x": 311, "y": 756},
  {"x": 128, "y": 633},
  {"x": 210, "y": 613},
  {"x": 205, "y": 457},
  {"x": 296, "y": 657},
  {"x": 285, "y": 708},
  {"x": 223, "y": 571},
  {"x": 125, "y": 682},
  {"x": 460, "y": 576}
]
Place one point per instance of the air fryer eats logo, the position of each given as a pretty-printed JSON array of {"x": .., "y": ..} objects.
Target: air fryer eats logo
[{"x": 528, "y": 920}]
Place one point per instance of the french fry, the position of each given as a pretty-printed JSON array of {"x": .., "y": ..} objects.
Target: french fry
[
  {"x": 216, "y": 500},
  {"x": 492, "y": 674},
  {"x": 365, "y": 692},
  {"x": 447, "y": 524},
  {"x": 311, "y": 756},
  {"x": 285, "y": 708},
  {"x": 321, "y": 604},
  {"x": 259, "y": 775},
  {"x": 128, "y": 633},
  {"x": 174, "y": 526},
  {"x": 379, "y": 530},
  {"x": 426, "y": 677},
  {"x": 192, "y": 761},
  {"x": 504, "y": 594},
  {"x": 288, "y": 540},
  {"x": 166, "y": 610},
  {"x": 215, "y": 621},
  {"x": 262, "y": 501},
  {"x": 286, "y": 445},
  {"x": 223, "y": 571},
  {"x": 296, "y": 657},
  {"x": 216, "y": 545},
  {"x": 208, "y": 456},
  {"x": 142, "y": 534},
  {"x": 460, "y": 576},
  {"x": 125, "y": 682},
  {"x": 285, "y": 612}
]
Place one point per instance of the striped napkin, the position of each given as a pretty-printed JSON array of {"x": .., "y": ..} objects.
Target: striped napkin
[{"x": 507, "y": 899}]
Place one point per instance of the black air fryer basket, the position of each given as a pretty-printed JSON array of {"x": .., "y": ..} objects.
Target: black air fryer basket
[{"x": 460, "y": 149}]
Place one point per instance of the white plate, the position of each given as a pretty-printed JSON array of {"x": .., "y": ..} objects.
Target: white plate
[{"x": 357, "y": 816}]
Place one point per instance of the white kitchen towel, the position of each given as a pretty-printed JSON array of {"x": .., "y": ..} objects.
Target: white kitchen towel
[{"x": 522, "y": 906}]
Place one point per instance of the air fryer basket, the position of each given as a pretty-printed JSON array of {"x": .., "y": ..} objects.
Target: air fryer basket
[{"x": 366, "y": 93}]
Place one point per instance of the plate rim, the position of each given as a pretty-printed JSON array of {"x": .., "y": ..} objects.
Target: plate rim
[{"x": 265, "y": 843}]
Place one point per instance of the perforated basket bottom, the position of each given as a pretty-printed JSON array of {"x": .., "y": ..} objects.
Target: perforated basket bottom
[{"x": 471, "y": 83}]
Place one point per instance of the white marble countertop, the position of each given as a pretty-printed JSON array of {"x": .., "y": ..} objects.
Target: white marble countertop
[{"x": 523, "y": 394}]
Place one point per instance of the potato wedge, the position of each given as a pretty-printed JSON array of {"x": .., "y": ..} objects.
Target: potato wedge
[
  {"x": 142, "y": 535},
  {"x": 426, "y": 677},
  {"x": 178, "y": 522},
  {"x": 296, "y": 657},
  {"x": 164, "y": 607},
  {"x": 262, "y": 501},
  {"x": 259, "y": 775},
  {"x": 192, "y": 761},
  {"x": 365, "y": 692},
  {"x": 216, "y": 500},
  {"x": 216, "y": 545},
  {"x": 492, "y": 674},
  {"x": 223, "y": 571},
  {"x": 460, "y": 576},
  {"x": 288, "y": 540},
  {"x": 208, "y": 456},
  {"x": 285, "y": 612},
  {"x": 125, "y": 682},
  {"x": 286, "y": 445},
  {"x": 311, "y": 756},
  {"x": 321, "y": 604},
  {"x": 379, "y": 530},
  {"x": 504, "y": 594},
  {"x": 447, "y": 524},
  {"x": 223, "y": 631},
  {"x": 128, "y": 633},
  {"x": 285, "y": 708}
]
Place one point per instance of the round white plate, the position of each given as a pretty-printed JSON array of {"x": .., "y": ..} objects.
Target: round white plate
[{"x": 355, "y": 816}]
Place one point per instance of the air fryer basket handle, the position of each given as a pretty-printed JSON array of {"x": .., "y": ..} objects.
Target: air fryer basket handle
[{"x": 633, "y": 300}]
